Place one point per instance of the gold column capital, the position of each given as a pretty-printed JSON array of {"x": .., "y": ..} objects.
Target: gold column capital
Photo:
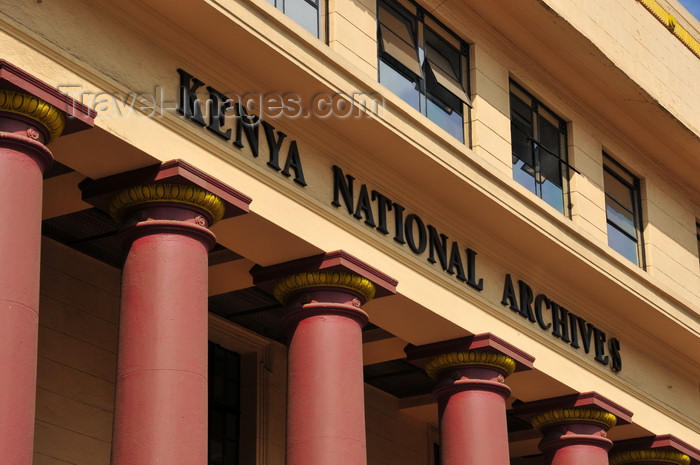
[
  {"x": 34, "y": 108},
  {"x": 650, "y": 455},
  {"x": 576, "y": 414},
  {"x": 467, "y": 358},
  {"x": 327, "y": 279},
  {"x": 159, "y": 193}
]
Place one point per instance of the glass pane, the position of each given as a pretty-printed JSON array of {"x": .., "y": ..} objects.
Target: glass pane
[
  {"x": 232, "y": 367},
  {"x": 399, "y": 25},
  {"x": 232, "y": 395},
  {"x": 218, "y": 394},
  {"x": 219, "y": 361},
  {"x": 612, "y": 166},
  {"x": 550, "y": 168},
  {"x": 303, "y": 13},
  {"x": 521, "y": 114},
  {"x": 525, "y": 175},
  {"x": 621, "y": 218},
  {"x": 401, "y": 51},
  {"x": 523, "y": 96},
  {"x": 522, "y": 147},
  {"x": 622, "y": 244},
  {"x": 522, "y": 125},
  {"x": 439, "y": 83},
  {"x": 216, "y": 422},
  {"x": 448, "y": 67},
  {"x": 451, "y": 121},
  {"x": 553, "y": 195},
  {"x": 618, "y": 191},
  {"x": 232, "y": 426},
  {"x": 545, "y": 115},
  {"x": 224, "y": 420},
  {"x": 538, "y": 151},
  {"x": 216, "y": 452},
  {"x": 443, "y": 97},
  {"x": 442, "y": 55},
  {"x": 399, "y": 84},
  {"x": 444, "y": 63},
  {"x": 231, "y": 453},
  {"x": 549, "y": 136}
]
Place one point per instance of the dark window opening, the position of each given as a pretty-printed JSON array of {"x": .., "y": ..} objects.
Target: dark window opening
[
  {"x": 697, "y": 233},
  {"x": 623, "y": 211},
  {"x": 424, "y": 68},
  {"x": 539, "y": 149},
  {"x": 307, "y": 13},
  {"x": 224, "y": 405}
]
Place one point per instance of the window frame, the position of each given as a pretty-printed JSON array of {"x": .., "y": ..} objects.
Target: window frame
[
  {"x": 224, "y": 407},
  {"x": 319, "y": 5},
  {"x": 433, "y": 87},
  {"x": 540, "y": 114},
  {"x": 697, "y": 235},
  {"x": 257, "y": 355},
  {"x": 613, "y": 168}
]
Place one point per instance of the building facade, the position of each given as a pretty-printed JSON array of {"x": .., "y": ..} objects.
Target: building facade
[{"x": 349, "y": 232}]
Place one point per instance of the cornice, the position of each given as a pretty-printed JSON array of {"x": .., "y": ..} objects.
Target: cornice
[{"x": 670, "y": 22}]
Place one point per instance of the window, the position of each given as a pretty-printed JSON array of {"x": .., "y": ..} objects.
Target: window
[
  {"x": 436, "y": 453},
  {"x": 424, "y": 64},
  {"x": 623, "y": 210},
  {"x": 304, "y": 12},
  {"x": 539, "y": 149},
  {"x": 224, "y": 405},
  {"x": 697, "y": 234}
]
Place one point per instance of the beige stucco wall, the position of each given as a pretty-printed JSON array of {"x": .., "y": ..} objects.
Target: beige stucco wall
[
  {"x": 78, "y": 318},
  {"x": 393, "y": 437},
  {"x": 643, "y": 49},
  {"x": 669, "y": 209},
  {"x": 352, "y": 31}
]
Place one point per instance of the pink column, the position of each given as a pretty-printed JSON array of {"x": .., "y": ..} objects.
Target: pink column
[
  {"x": 471, "y": 395},
  {"x": 27, "y": 122},
  {"x": 325, "y": 406},
  {"x": 161, "y": 400},
  {"x": 23, "y": 159},
  {"x": 160, "y": 413},
  {"x": 577, "y": 441},
  {"x": 574, "y": 428}
]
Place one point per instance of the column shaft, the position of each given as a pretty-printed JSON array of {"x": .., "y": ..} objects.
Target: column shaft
[
  {"x": 325, "y": 396},
  {"x": 573, "y": 454},
  {"x": 21, "y": 164},
  {"x": 472, "y": 415},
  {"x": 325, "y": 412},
  {"x": 573, "y": 436},
  {"x": 161, "y": 399},
  {"x": 574, "y": 428},
  {"x": 471, "y": 394},
  {"x": 32, "y": 114},
  {"x": 160, "y": 411}
]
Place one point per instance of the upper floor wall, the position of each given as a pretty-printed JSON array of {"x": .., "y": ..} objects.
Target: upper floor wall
[{"x": 622, "y": 79}]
